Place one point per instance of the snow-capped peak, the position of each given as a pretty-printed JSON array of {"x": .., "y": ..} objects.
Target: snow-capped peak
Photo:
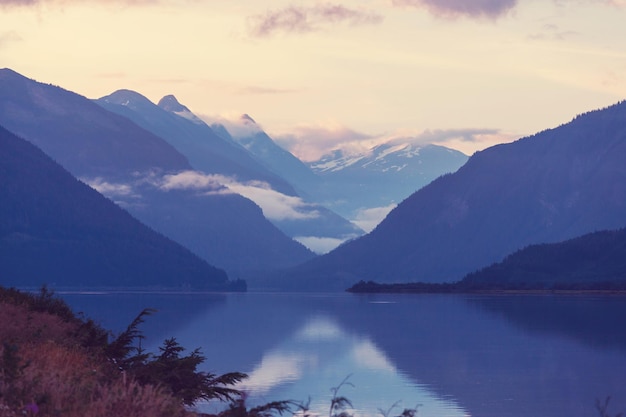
[{"x": 387, "y": 156}]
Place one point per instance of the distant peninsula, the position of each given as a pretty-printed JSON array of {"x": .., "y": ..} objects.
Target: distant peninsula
[{"x": 595, "y": 262}]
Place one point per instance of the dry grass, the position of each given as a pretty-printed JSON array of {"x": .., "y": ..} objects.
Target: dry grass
[
  {"x": 19, "y": 325},
  {"x": 64, "y": 379}
]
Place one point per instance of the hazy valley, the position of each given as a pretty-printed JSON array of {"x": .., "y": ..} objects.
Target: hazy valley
[{"x": 245, "y": 205}]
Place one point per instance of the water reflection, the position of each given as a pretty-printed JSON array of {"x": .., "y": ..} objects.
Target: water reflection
[
  {"x": 114, "y": 311},
  {"x": 592, "y": 320},
  {"x": 455, "y": 355},
  {"x": 319, "y": 355}
]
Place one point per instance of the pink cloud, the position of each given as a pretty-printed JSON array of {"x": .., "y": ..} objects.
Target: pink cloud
[
  {"x": 26, "y": 3},
  {"x": 18, "y": 2},
  {"x": 491, "y": 9},
  {"x": 488, "y": 9},
  {"x": 311, "y": 142},
  {"x": 299, "y": 19}
]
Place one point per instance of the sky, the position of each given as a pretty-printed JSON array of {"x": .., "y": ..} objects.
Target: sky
[{"x": 317, "y": 75}]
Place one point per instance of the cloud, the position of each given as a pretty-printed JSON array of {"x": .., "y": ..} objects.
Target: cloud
[
  {"x": 368, "y": 355},
  {"x": 483, "y": 9},
  {"x": 319, "y": 245},
  {"x": 310, "y": 142},
  {"x": 28, "y": 3},
  {"x": 320, "y": 328},
  {"x": 368, "y": 219},
  {"x": 239, "y": 126},
  {"x": 109, "y": 189},
  {"x": 276, "y": 368},
  {"x": 275, "y": 205},
  {"x": 300, "y": 19},
  {"x": 491, "y": 9},
  {"x": 467, "y": 141},
  {"x": 122, "y": 194},
  {"x": 18, "y": 2},
  {"x": 192, "y": 180},
  {"x": 429, "y": 136}
]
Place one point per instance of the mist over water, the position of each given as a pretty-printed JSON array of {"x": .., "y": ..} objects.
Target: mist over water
[{"x": 446, "y": 355}]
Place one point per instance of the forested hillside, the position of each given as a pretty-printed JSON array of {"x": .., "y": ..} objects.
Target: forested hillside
[{"x": 54, "y": 229}]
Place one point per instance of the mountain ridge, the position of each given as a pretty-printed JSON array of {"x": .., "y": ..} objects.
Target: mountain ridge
[
  {"x": 551, "y": 186},
  {"x": 28, "y": 107},
  {"x": 233, "y": 165},
  {"x": 56, "y": 230},
  {"x": 141, "y": 171}
]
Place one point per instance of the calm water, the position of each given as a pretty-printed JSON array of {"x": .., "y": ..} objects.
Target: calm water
[{"x": 500, "y": 356}]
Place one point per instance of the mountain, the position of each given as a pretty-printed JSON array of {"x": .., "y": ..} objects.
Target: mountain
[
  {"x": 56, "y": 230},
  {"x": 360, "y": 187},
  {"x": 252, "y": 137},
  {"x": 239, "y": 170},
  {"x": 80, "y": 135},
  {"x": 362, "y": 193},
  {"x": 385, "y": 174},
  {"x": 147, "y": 176},
  {"x": 205, "y": 150},
  {"x": 553, "y": 186},
  {"x": 595, "y": 260}
]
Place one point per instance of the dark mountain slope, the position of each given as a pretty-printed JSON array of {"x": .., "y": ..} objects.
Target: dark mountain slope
[
  {"x": 131, "y": 166},
  {"x": 595, "y": 260},
  {"x": 54, "y": 229},
  {"x": 227, "y": 230},
  {"x": 80, "y": 135},
  {"x": 553, "y": 186}
]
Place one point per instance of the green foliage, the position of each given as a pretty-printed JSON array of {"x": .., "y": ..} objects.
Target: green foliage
[
  {"x": 237, "y": 408},
  {"x": 340, "y": 404},
  {"x": 339, "y": 407},
  {"x": 170, "y": 369},
  {"x": 120, "y": 350},
  {"x": 180, "y": 375},
  {"x": 407, "y": 412}
]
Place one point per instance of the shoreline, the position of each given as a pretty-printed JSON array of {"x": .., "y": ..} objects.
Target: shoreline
[{"x": 458, "y": 288}]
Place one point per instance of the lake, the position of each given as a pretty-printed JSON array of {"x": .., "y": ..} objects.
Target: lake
[{"x": 447, "y": 355}]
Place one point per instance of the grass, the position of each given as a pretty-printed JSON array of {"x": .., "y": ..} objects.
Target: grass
[{"x": 53, "y": 363}]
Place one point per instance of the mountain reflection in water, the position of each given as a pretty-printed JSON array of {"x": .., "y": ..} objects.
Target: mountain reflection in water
[
  {"x": 320, "y": 355},
  {"x": 500, "y": 356}
]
